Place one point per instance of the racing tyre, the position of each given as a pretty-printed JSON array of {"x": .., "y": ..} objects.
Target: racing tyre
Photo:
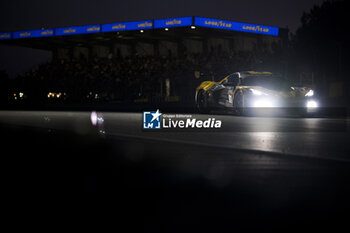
[
  {"x": 202, "y": 104},
  {"x": 238, "y": 103}
]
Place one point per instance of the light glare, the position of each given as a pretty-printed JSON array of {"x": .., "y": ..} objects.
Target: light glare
[
  {"x": 263, "y": 104},
  {"x": 93, "y": 118},
  {"x": 256, "y": 92},
  {"x": 310, "y": 93},
  {"x": 311, "y": 104}
]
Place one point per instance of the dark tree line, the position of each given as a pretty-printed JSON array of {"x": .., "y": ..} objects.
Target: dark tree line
[{"x": 321, "y": 43}]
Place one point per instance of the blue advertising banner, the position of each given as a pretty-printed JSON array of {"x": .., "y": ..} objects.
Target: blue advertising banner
[
  {"x": 33, "y": 33},
  {"x": 148, "y": 24},
  {"x": 77, "y": 30},
  {"x": 235, "y": 26},
  {"x": 173, "y": 22},
  {"x": 5, "y": 36},
  {"x": 138, "y": 25}
]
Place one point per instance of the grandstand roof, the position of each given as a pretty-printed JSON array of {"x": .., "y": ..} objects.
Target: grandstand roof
[{"x": 176, "y": 28}]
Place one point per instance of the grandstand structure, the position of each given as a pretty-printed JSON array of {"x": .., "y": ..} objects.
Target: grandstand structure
[
  {"x": 175, "y": 36},
  {"x": 149, "y": 61}
]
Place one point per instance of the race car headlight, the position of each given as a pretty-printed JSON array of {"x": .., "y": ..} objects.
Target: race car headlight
[
  {"x": 310, "y": 93},
  {"x": 257, "y": 92},
  {"x": 311, "y": 104},
  {"x": 264, "y": 103}
]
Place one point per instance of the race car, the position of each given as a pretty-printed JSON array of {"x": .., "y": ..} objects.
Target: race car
[{"x": 247, "y": 90}]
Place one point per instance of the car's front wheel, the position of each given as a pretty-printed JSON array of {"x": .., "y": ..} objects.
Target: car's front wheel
[
  {"x": 202, "y": 104},
  {"x": 238, "y": 103}
]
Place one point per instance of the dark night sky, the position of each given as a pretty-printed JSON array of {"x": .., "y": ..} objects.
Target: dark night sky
[{"x": 22, "y": 15}]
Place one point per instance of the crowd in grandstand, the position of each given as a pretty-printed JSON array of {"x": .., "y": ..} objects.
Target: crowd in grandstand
[{"x": 129, "y": 78}]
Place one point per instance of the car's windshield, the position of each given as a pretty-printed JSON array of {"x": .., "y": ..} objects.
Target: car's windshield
[{"x": 270, "y": 82}]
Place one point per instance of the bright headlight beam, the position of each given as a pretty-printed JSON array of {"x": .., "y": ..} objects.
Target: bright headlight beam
[
  {"x": 263, "y": 104},
  {"x": 310, "y": 93},
  {"x": 256, "y": 92},
  {"x": 311, "y": 104}
]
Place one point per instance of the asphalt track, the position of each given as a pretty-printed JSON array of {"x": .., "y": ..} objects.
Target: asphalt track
[
  {"x": 255, "y": 174},
  {"x": 319, "y": 138}
]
